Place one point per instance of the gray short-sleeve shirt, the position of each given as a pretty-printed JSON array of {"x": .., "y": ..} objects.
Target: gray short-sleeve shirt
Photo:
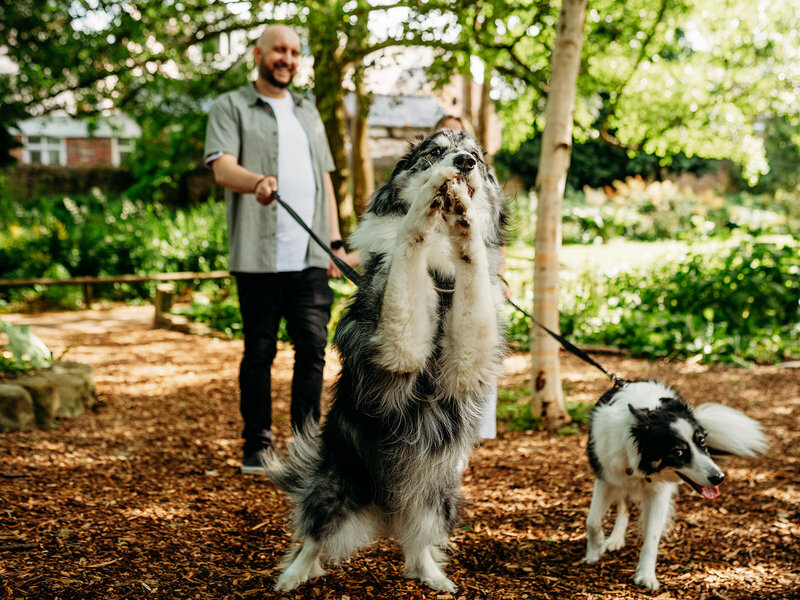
[{"x": 240, "y": 123}]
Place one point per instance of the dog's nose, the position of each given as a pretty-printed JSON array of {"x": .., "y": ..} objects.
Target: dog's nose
[
  {"x": 464, "y": 162},
  {"x": 717, "y": 479}
]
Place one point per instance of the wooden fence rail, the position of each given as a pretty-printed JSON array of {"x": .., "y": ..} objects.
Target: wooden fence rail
[{"x": 88, "y": 281}]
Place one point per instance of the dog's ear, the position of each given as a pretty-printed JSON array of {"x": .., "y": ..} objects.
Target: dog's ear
[
  {"x": 384, "y": 200},
  {"x": 641, "y": 414}
]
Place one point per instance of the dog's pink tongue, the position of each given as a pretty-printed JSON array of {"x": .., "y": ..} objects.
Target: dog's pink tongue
[{"x": 710, "y": 492}]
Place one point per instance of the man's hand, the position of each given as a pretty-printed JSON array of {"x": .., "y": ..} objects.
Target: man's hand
[
  {"x": 333, "y": 271},
  {"x": 265, "y": 189}
]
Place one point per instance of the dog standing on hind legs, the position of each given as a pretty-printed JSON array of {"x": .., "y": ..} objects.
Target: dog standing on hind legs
[
  {"x": 420, "y": 346},
  {"x": 644, "y": 440}
]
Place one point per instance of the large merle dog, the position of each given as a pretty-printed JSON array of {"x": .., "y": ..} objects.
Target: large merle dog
[
  {"x": 644, "y": 439},
  {"x": 420, "y": 347}
]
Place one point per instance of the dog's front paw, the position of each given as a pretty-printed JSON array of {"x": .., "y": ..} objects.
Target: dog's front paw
[{"x": 646, "y": 579}]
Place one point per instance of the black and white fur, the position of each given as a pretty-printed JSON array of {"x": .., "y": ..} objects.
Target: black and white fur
[
  {"x": 644, "y": 440},
  {"x": 420, "y": 347}
]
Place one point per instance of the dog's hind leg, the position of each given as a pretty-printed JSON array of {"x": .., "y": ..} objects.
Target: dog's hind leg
[
  {"x": 301, "y": 564},
  {"x": 602, "y": 498},
  {"x": 422, "y": 535},
  {"x": 616, "y": 540},
  {"x": 656, "y": 510}
]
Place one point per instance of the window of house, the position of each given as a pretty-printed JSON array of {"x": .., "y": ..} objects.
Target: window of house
[
  {"x": 125, "y": 147},
  {"x": 44, "y": 150}
]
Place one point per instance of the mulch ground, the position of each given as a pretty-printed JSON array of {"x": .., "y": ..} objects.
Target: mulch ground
[{"x": 141, "y": 497}]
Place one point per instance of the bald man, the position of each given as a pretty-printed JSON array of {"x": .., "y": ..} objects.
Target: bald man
[{"x": 262, "y": 138}]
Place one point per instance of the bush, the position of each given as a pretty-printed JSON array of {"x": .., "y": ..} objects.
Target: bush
[
  {"x": 737, "y": 306},
  {"x": 596, "y": 164},
  {"x": 94, "y": 235},
  {"x": 642, "y": 211}
]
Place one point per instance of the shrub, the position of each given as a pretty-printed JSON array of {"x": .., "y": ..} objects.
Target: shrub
[
  {"x": 736, "y": 306},
  {"x": 94, "y": 235}
]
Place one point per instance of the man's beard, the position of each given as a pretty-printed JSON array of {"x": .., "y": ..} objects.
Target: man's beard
[{"x": 267, "y": 73}]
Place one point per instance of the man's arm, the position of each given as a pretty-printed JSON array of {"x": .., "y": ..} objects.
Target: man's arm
[
  {"x": 230, "y": 174},
  {"x": 333, "y": 270}
]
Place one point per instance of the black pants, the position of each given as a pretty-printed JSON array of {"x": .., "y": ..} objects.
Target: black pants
[{"x": 304, "y": 299}]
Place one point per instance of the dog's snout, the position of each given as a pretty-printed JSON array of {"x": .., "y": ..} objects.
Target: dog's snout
[
  {"x": 465, "y": 162},
  {"x": 717, "y": 479}
]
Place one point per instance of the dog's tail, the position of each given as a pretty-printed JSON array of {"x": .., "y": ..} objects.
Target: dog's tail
[
  {"x": 293, "y": 474},
  {"x": 730, "y": 431}
]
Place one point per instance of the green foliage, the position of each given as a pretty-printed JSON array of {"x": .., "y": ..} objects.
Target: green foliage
[
  {"x": 735, "y": 306},
  {"x": 94, "y": 235},
  {"x": 220, "y": 313},
  {"x": 596, "y": 164},
  {"x": 514, "y": 410},
  {"x": 665, "y": 211}
]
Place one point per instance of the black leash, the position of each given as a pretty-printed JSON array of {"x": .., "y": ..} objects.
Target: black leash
[
  {"x": 570, "y": 347},
  {"x": 349, "y": 271},
  {"x": 353, "y": 276}
]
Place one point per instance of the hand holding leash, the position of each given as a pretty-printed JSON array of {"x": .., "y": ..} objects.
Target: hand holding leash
[{"x": 265, "y": 189}]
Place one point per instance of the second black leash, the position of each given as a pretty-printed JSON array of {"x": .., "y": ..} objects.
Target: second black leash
[{"x": 570, "y": 347}]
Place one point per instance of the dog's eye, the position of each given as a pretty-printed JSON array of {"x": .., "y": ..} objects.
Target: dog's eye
[
  {"x": 437, "y": 151},
  {"x": 677, "y": 453}
]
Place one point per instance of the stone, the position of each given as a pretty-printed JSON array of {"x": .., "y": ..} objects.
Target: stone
[
  {"x": 66, "y": 389},
  {"x": 16, "y": 408},
  {"x": 76, "y": 382},
  {"x": 46, "y": 397}
]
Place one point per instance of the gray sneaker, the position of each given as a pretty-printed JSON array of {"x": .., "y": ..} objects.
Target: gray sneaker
[{"x": 253, "y": 462}]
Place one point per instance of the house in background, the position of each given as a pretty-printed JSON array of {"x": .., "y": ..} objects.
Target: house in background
[
  {"x": 65, "y": 141},
  {"x": 405, "y": 105}
]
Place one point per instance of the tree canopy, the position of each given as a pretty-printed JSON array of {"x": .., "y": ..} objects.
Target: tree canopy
[{"x": 664, "y": 77}]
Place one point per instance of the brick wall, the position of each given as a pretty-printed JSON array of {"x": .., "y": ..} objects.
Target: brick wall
[
  {"x": 85, "y": 152},
  {"x": 17, "y": 152}
]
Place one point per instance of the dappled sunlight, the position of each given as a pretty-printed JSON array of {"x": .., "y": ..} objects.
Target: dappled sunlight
[
  {"x": 157, "y": 512},
  {"x": 152, "y": 472}
]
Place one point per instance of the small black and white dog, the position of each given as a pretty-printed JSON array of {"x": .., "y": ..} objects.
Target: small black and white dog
[
  {"x": 420, "y": 346},
  {"x": 644, "y": 439}
]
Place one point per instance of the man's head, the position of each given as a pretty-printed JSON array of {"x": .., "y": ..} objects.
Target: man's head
[{"x": 276, "y": 53}]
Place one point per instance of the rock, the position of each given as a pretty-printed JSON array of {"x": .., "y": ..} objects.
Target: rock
[
  {"x": 46, "y": 397},
  {"x": 76, "y": 382},
  {"x": 16, "y": 408},
  {"x": 66, "y": 389}
]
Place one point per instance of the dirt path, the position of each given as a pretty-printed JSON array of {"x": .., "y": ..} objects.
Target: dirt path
[{"x": 142, "y": 498}]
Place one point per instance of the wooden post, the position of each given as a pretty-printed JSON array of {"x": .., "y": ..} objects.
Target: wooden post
[
  {"x": 88, "y": 295},
  {"x": 165, "y": 293}
]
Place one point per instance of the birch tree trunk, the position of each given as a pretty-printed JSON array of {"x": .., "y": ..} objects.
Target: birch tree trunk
[
  {"x": 483, "y": 115},
  {"x": 547, "y": 400},
  {"x": 363, "y": 169}
]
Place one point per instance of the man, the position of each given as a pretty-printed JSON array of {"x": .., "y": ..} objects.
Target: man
[{"x": 261, "y": 138}]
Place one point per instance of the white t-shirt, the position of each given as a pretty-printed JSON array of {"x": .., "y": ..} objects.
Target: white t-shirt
[{"x": 296, "y": 185}]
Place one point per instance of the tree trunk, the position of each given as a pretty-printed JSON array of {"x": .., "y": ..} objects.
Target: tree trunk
[
  {"x": 328, "y": 87},
  {"x": 363, "y": 169},
  {"x": 484, "y": 111},
  {"x": 466, "y": 91},
  {"x": 547, "y": 400}
]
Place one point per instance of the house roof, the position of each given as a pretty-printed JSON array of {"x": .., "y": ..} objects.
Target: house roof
[
  {"x": 61, "y": 126},
  {"x": 417, "y": 112}
]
